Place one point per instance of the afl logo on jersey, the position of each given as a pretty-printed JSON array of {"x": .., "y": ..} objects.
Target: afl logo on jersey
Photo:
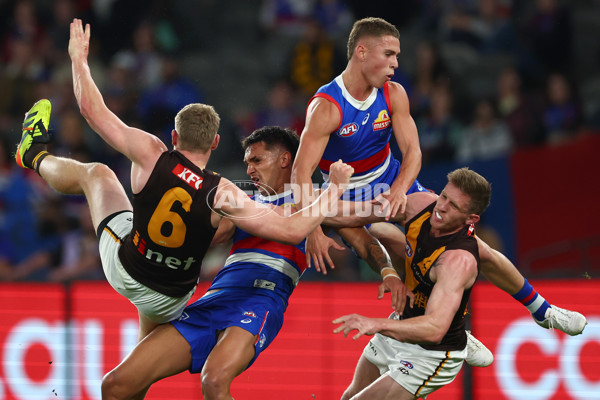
[
  {"x": 382, "y": 121},
  {"x": 409, "y": 250},
  {"x": 348, "y": 129}
]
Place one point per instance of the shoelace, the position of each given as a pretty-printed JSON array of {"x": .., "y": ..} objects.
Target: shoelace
[{"x": 558, "y": 315}]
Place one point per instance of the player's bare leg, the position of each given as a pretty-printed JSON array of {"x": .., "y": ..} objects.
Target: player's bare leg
[
  {"x": 502, "y": 273},
  {"x": 384, "y": 388},
  {"x": 364, "y": 374},
  {"x": 163, "y": 353},
  {"x": 498, "y": 270},
  {"x": 103, "y": 191},
  {"x": 229, "y": 358},
  {"x": 146, "y": 326}
]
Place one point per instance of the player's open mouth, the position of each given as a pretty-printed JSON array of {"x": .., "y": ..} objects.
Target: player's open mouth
[{"x": 437, "y": 215}]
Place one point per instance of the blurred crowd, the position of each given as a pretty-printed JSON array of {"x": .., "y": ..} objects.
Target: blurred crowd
[{"x": 484, "y": 78}]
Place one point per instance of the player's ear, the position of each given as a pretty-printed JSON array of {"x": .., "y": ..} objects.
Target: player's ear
[
  {"x": 473, "y": 219},
  {"x": 174, "y": 138},
  {"x": 215, "y": 143},
  {"x": 360, "y": 51},
  {"x": 285, "y": 159}
]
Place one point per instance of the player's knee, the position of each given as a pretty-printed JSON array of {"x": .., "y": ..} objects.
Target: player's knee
[
  {"x": 113, "y": 387},
  {"x": 215, "y": 384},
  {"x": 97, "y": 175},
  {"x": 97, "y": 170},
  {"x": 348, "y": 393}
]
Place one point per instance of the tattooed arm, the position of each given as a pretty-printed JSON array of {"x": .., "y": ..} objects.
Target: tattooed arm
[{"x": 370, "y": 249}]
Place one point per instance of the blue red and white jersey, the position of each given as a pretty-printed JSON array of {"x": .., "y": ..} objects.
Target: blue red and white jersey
[
  {"x": 261, "y": 263},
  {"x": 362, "y": 140}
]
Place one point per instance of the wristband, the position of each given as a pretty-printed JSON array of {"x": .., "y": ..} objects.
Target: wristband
[{"x": 389, "y": 271}]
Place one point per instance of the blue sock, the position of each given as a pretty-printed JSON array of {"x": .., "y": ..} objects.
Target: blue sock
[{"x": 535, "y": 303}]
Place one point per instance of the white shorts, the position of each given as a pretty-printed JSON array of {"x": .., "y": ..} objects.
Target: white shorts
[
  {"x": 156, "y": 306},
  {"x": 416, "y": 369}
]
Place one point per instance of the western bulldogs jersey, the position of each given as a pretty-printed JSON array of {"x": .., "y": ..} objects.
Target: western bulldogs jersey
[
  {"x": 261, "y": 263},
  {"x": 362, "y": 140}
]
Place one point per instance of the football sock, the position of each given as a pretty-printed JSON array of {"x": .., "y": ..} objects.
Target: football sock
[
  {"x": 37, "y": 160},
  {"x": 535, "y": 303}
]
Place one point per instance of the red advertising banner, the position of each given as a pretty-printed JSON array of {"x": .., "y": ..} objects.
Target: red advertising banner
[
  {"x": 306, "y": 360},
  {"x": 44, "y": 357},
  {"x": 531, "y": 362},
  {"x": 32, "y": 338}
]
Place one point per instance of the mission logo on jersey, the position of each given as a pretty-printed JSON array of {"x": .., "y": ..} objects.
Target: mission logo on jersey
[
  {"x": 382, "y": 121},
  {"x": 348, "y": 129}
]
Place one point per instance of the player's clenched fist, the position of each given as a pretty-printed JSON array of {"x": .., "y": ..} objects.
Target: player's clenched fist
[{"x": 340, "y": 173}]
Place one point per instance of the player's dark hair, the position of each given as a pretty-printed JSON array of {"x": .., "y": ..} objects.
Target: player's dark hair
[{"x": 274, "y": 135}]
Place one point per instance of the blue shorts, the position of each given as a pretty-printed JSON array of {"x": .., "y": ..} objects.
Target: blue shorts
[
  {"x": 257, "y": 311},
  {"x": 369, "y": 191}
]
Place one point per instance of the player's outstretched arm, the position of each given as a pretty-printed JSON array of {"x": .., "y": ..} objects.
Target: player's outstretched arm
[
  {"x": 405, "y": 133},
  {"x": 356, "y": 213},
  {"x": 459, "y": 273},
  {"x": 260, "y": 220},
  {"x": 322, "y": 118},
  {"x": 140, "y": 147}
]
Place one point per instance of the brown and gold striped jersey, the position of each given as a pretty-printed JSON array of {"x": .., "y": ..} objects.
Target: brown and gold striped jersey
[
  {"x": 422, "y": 252},
  {"x": 171, "y": 226}
]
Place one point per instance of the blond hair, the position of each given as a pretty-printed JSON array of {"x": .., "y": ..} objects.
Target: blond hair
[
  {"x": 197, "y": 125},
  {"x": 473, "y": 185},
  {"x": 370, "y": 26}
]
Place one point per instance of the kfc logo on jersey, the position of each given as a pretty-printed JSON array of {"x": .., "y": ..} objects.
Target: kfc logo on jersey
[
  {"x": 348, "y": 129},
  {"x": 188, "y": 176},
  {"x": 382, "y": 121}
]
